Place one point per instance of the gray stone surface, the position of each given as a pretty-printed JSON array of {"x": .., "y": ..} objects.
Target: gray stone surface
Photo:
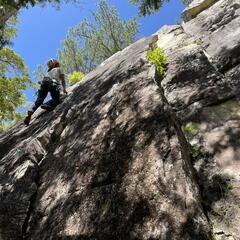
[
  {"x": 202, "y": 85},
  {"x": 109, "y": 163},
  {"x": 196, "y": 7},
  {"x": 191, "y": 80},
  {"x": 215, "y": 146},
  {"x": 218, "y": 28},
  {"x": 114, "y": 162}
]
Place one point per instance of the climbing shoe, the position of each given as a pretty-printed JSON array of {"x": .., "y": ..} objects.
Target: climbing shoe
[{"x": 28, "y": 118}]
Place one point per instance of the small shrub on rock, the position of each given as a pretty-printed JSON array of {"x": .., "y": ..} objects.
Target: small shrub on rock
[
  {"x": 159, "y": 59},
  {"x": 75, "y": 77}
]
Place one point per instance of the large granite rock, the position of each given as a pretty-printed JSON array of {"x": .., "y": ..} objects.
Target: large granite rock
[
  {"x": 202, "y": 86},
  {"x": 113, "y": 161},
  {"x": 109, "y": 163}
]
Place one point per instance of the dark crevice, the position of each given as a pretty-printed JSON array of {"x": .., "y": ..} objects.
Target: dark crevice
[
  {"x": 185, "y": 148},
  {"x": 55, "y": 138},
  {"x": 165, "y": 157},
  {"x": 220, "y": 101},
  {"x": 31, "y": 207},
  {"x": 214, "y": 102},
  {"x": 181, "y": 137},
  {"x": 230, "y": 63},
  {"x": 229, "y": 67},
  {"x": 217, "y": 181},
  {"x": 231, "y": 60}
]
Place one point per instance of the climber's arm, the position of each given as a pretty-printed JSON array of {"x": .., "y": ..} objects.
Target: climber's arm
[{"x": 63, "y": 83}]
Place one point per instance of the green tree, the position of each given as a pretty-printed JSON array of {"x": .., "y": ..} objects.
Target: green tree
[
  {"x": 13, "y": 79},
  {"x": 7, "y": 125},
  {"x": 40, "y": 72},
  {"x": 8, "y": 31},
  {"x": 90, "y": 43},
  {"x": 147, "y": 7},
  {"x": 24, "y": 3},
  {"x": 10, "y": 8},
  {"x": 72, "y": 56}
]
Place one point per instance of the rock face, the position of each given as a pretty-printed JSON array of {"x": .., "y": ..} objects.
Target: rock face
[
  {"x": 218, "y": 29},
  {"x": 130, "y": 156},
  {"x": 106, "y": 164},
  {"x": 202, "y": 86}
]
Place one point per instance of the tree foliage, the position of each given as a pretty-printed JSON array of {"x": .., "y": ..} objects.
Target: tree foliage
[
  {"x": 10, "y": 8},
  {"x": 13, "y": 79},
  {"x": 40, "y": 72},
  {"x": 4, "y": 126},
  {"x": 24, "y": 3},
  {"x": 147, "y": 7},
  {"x": 8, "y": 31},
  {"x": 90, "y": 43},
  {"x": 72, "y": 56}
]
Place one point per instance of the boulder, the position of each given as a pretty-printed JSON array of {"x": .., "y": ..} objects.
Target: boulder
[
  {"x": 202, "y": 87},
  {"x": 108, "y": 163},
  {"x": 130, "y": 155}
]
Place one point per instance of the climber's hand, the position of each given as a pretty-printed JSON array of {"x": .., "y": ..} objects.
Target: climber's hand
[{"x": 65, "y": 91}]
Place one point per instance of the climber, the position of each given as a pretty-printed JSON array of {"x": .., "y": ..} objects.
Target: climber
[{"x": 50, "y": 83}]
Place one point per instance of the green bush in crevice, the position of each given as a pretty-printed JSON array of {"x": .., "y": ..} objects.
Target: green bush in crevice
[
  {"x": 191, "y": 128},
  {"x": 158, "y": 59},
  {"x": 75, "y": 77}
]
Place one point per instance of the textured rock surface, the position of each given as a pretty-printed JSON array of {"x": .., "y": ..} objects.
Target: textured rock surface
[
  {"x": 202, "y": 85},
  {"x": 218, "y": 29},
  {"x": 112, "y": 161},
  {"x": 195, "y": 8},
  {"x": 106, "y": 164}
]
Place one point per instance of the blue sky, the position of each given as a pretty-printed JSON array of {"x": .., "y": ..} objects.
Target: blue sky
[{"x": 41, "y": 29}]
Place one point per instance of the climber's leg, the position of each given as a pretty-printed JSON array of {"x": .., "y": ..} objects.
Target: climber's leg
[
  {"x": 42, "y": 93},
  {"x": 55, "y": 94}
]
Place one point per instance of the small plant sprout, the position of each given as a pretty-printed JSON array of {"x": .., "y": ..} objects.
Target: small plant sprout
[{"x": 158, "y": 59}]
